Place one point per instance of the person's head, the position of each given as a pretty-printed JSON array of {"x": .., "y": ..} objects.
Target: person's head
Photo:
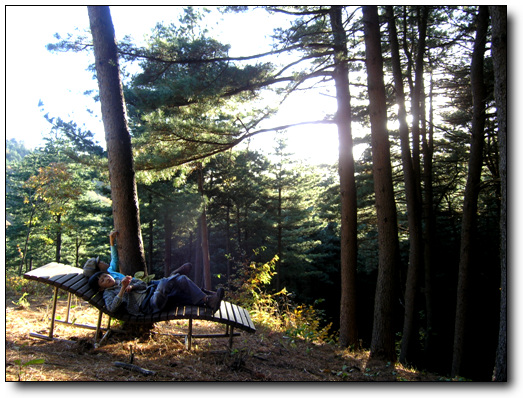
[{"x": 101, "y": 280}]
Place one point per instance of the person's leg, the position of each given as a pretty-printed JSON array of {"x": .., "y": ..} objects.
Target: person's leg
[
  {"x": 180, "y": 289},
  {"x": 185, "y": 291},
  {"x": 185, "y": 269}
]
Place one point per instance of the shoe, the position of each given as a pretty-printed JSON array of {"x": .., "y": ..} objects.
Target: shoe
[
  {"x": 214, "y": 301},
  {"x": 183, "y": 270}
]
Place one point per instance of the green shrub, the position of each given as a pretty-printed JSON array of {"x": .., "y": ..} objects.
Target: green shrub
[
  {"x": 276, "y": 310},
  {"x": 17, "y": 286}
]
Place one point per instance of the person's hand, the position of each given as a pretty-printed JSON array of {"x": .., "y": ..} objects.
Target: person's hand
[
  {"x": 112, "y": 237},
  {"x": 124, "y": 286},
  {"x": 103, "y": 266},
  {"x": 126, "y": 281}
]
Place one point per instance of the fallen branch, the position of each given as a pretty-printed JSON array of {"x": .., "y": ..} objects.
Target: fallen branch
[{"x": 134, "y": 368}]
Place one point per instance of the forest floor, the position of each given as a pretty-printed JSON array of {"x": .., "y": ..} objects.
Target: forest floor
[{"x": 263, "y": 356}]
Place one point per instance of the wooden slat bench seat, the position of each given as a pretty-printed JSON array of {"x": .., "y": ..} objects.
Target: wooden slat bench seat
[{"x": 72, "y": 280}]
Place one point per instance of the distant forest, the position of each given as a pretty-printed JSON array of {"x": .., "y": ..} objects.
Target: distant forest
[{"x": 403, "y": 250}]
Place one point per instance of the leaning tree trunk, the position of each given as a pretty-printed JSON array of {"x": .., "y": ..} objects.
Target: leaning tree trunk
[
  {"x": 349, "y": 228},
  {"x": 499, "y": 55},
  {"x": 382, "y": 343},
  {"x": 470, "y": 201},
  {"x": 124, "y": 196}
]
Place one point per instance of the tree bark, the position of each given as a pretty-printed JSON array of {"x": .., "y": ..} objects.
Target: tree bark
[
  {"x": 168, "y": 230},
  {"x": 198, "y": 269},
  {"x": 150, "y": 250},
  {"x": 205, "y": 236},
  {"x": 279, "y": 249},
  {"x": 470, "y": 202},
  {"x": 429, "y": 223},
  {"x": 228, "y": 240},
  {"x": 26, "y": 244},
  {"x": 349, "y": 232},
  {"x": 58, "y": 238},
  {"x": 382, "y": 343},
  {"x": 416, "y": 96},
  {"x": 411, "y": 188},
  {"x": 124, "y": 195},
  {"x": 499, "y": 55}
]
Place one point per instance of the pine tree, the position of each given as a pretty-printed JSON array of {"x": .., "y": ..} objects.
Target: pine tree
[
  {"x": 382, "y": 345},
  {"x": 121, "y": 164}
]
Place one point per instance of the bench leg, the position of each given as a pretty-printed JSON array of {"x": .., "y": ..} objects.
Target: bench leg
[
  {"x": 99, "y": 328},
  {"x": 188, "y": 338},
  {"x": 98, "y": 325},
  {"x": 55, "y": 298},
  {"x": 231, "y": 336},
  {"x": 69, "y": 296}
]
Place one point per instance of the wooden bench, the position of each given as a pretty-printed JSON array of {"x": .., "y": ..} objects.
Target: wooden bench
[{"x": 72, "y": 280}]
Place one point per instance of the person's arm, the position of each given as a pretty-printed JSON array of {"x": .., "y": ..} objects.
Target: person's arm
[
  {"x": 112, "y": 299},
  {"x": 112, "y": 237},
  {"x": 114, "y": 265}
]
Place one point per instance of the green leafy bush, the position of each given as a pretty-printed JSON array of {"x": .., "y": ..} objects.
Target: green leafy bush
[{"x": 277, "y": 310}]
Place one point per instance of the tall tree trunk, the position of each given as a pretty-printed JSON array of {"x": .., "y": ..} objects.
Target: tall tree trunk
[
  {"x": 205, "y": 235},
  {"x": 168, "y": 230},
  {"x": 470, "y": 202},
  {"x": 228, "y": 240},
  {"x": 151, "y": 238},
  {"x": 190, "y": 252},
  {"x": 499, "y": 55},
  {"x": 349, "y": 209},
  {"x": 413, "y": 206},
  {"x": 406, "y": 50},
  {"x": 198, "y": 271},
  {"x": 26, "y": 244},
  {"x": 279, "y": 237},
  {"x": 124, "y": 195},
  {"x": 429, "y": 222},
  {"x": 77, "y": 243},
  {"x": 416, "y": 96},
  {"x": 382, "y": 343},
  {"x": 239, "y": 233},
  {"x": 58, "y": 238}
]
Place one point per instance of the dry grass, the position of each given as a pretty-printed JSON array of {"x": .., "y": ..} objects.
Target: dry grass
[{"x": 263, "y": 356}]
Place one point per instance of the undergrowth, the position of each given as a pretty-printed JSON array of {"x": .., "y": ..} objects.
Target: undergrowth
[
  {"x": 18, "y": 286},
  {"x": 277, "y": 310}
]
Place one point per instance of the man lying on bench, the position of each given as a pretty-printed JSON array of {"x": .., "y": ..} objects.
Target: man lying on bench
[{"x": 142, "y": 298}]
